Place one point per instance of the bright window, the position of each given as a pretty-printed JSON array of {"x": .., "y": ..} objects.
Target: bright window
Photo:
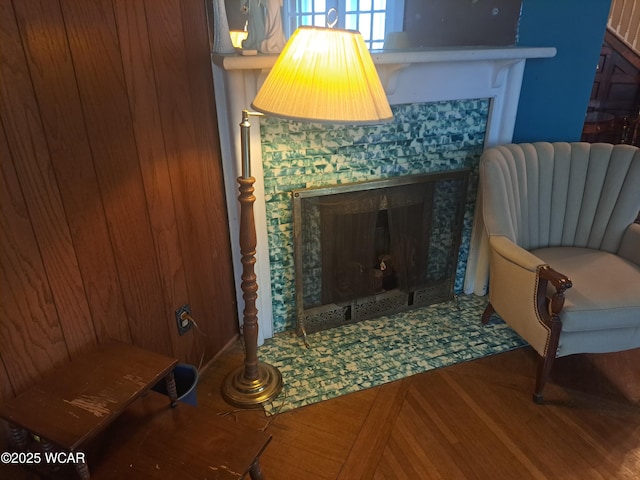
[{"x": 372, "y": 18}]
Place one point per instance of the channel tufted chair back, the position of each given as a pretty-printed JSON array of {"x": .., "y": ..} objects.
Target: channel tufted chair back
[
  {"x": 550, "y": 195},
  {"x": 565, "y": 251}
]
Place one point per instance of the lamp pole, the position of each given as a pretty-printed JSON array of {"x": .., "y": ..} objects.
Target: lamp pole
[
  {"x": 336, "y": 84},
  {"x": 254, "y": 382}
]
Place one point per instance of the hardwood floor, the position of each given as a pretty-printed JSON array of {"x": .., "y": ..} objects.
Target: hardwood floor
[{"x": 474, "y": 420}]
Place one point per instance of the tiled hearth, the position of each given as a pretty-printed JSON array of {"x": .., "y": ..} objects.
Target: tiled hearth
[{"x": 448, "y": 104}]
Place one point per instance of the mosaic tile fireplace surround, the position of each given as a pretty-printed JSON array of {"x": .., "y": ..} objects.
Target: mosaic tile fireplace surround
[
  {"x": 422, "y": 138},
  {"x": 448, "y": 105}
]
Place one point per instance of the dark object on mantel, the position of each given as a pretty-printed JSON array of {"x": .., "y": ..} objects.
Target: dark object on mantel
[{"x": 461, "y": 22}]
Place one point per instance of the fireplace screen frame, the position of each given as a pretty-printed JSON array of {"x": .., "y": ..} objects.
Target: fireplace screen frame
[{"x": 322, "y": 317}]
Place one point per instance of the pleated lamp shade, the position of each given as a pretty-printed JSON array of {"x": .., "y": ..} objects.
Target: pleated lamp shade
[{"x": 324, "y": 75}]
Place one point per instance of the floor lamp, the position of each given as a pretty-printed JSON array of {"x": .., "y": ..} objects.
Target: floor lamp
[{"x": 323, "y": 75}]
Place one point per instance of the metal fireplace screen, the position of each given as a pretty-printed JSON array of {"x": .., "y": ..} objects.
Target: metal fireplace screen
[{"x": 368, "y": 249}]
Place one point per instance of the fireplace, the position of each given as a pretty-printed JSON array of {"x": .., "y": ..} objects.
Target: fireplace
[
  {"x": 412, "y": 79},
  {"x": 373, "y": 248}
]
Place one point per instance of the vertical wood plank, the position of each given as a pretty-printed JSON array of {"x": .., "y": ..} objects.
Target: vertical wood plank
[
  {"x": 632, "y": 36},
  {"x": 615, "y": 14},
  {"x": 6, "y": 389},
  {"x": 210, "y": 288},
  {"x": 107, "y": 230},
  {"x": 30, "y": 333},
  {"x": 140, "y": 82},
  {"x": 220, "y": 311},
  {"x": 93, "y": 42},
  {"x": 55, "y": 88},
  {"x": 26, "y": 144},
  {"x": 625, "y": 18}
]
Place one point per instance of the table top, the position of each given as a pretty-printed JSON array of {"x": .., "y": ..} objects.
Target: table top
[
  {"x": 73, "y": 403},
  {"x": 153, "y": 441}
]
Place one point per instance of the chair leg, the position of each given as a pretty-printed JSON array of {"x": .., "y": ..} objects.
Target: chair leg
[
  {"x": 549, "y": 311},
  {"x": 544, "y": 368},
  {"x": 546, "y": 362},
  {"x": 486, "y": 315}
]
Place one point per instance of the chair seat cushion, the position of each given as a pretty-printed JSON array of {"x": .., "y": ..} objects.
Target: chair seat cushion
[{"x": 605, "y": 292}]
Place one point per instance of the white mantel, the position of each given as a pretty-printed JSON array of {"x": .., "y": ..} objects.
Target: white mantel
[{"x": 414, "y": 76}]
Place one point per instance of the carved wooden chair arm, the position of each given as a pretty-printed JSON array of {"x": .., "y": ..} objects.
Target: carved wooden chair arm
[
  {"x": 559, "y": 280},
  {"x": 549, "y": 305},
  {"x": 550, "y": 308}
]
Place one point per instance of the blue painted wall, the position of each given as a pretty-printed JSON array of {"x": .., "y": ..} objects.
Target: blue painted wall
[{"x": 555, "y": 91}]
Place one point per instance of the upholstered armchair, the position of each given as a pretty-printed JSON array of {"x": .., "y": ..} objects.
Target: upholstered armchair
[{"x": 564, "y": 268}]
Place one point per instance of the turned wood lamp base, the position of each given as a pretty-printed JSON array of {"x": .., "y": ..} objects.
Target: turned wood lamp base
[{"x": 254, "y": 382}]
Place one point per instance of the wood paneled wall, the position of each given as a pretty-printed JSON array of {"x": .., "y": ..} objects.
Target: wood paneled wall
[{"x": 112, "y": 210}]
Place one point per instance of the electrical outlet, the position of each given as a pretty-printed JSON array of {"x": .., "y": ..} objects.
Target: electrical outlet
[{"x": 183, "y": 319}]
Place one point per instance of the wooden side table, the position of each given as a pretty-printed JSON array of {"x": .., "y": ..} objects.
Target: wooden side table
[
  {"x": 74, "y": 403},
  {"x": 596, "y": 126},
  {"x": 152, "y": 441}
]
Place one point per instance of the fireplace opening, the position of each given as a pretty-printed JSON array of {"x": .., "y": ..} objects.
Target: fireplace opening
[{"x": 374, "y": 248}]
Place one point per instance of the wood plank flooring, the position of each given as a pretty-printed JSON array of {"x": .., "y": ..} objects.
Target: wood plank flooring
[{"x": 474, "y": 420}]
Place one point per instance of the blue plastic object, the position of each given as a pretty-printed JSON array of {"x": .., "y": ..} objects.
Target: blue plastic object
[{"x": 186, "y": 382}]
